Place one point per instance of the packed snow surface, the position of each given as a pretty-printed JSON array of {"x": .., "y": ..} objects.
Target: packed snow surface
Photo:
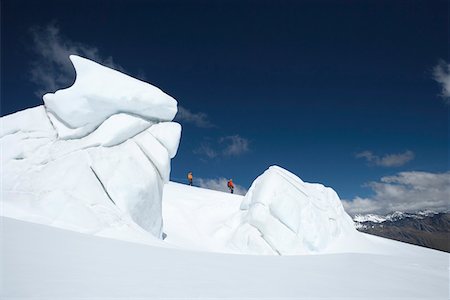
[
  {"x": 94, "y": 159},
  {"x": 49, "y": 263}
]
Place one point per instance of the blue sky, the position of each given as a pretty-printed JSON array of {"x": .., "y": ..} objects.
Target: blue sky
[{"x": 349, "y": 94}]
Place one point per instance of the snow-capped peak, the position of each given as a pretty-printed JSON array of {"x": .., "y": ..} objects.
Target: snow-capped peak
[
  {"x": 369, "y": 218},
  {"x": 395, "y": 216}
]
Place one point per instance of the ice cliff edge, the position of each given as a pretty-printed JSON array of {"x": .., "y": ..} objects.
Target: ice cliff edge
[{"x": 94, "y": 158}]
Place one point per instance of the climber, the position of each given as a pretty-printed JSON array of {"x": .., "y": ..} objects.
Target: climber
[
  {"x": 190, "y": 177},
  {"x": 231, "y": 185}
]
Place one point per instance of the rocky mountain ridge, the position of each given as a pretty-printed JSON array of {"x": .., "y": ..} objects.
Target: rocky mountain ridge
[{"x": 424, "y": 228}]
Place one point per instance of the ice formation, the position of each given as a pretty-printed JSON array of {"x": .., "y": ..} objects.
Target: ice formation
[
  {"x": 282, "y": 214},
  {"x": 100, "y": 92},
  {"x": 95, "y": 158}
]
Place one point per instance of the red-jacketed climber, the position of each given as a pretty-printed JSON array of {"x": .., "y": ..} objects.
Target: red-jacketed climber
[{"x": 231, "y": 185}]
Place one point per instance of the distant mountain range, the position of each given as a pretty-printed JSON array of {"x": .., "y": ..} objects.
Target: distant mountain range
[{"x": 425, "y": 228}]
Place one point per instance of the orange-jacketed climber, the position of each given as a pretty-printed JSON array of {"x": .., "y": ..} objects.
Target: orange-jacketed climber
[{"x": 231, "y": 185}]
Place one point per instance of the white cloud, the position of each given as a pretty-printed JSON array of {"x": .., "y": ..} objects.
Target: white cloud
[
  {"x": 441, "y": 73},
  {"x": 388, "y": 160},
  {"x": 207, "y": 150},
  {"x": 198, "y": 119},
  {"x": 235, "y": 145},
  {"x": 405, "y": 191},
  {"x": 52, "y": 70},
  {"x": 220, "y": 184}
]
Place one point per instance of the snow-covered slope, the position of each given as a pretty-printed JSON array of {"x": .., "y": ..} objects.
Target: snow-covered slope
[
  {"x": 280, "y": 214},
  {"x": 41, "y": 262},
  {"x": 60, "y": 264},
  {"x": 199, "y": 219},
  {"x": 284, "y": 215},
  {"x": 212, "y": 221},
  {"x": 94, "y": 159}
]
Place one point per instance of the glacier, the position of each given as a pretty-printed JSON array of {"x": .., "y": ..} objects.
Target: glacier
[
  {"x": 94, "y": 158},
  {"x": 284, "y": 215}
]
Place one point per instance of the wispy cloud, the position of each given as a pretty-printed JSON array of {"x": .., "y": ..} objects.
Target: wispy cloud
[
  {"x": 387, "y": 160},
  {"x": 199, "y": 119},
  {"x": 441, "y": 73},
  {"x": 405, "y": 191},
  {"x": 206, "y": 150},
  {"x": 220, "y": 184},
  {"x": 234, "y": 145},
  {"x": 51, "y": 69}
]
